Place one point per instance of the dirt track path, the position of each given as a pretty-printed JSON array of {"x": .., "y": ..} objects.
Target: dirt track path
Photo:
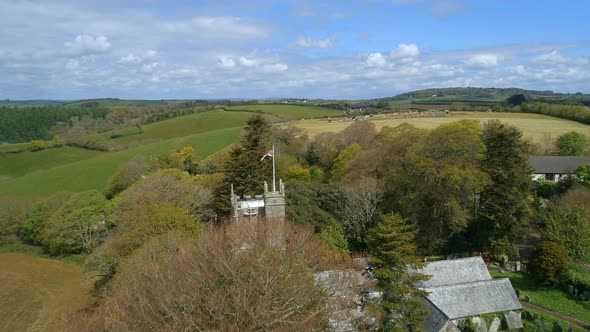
[
  {"x": 558, "y": 315},
  {"x": 36, "y": 294}
]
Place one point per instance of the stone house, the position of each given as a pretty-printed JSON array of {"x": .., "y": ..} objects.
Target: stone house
[{"x": 555, "y": 168}]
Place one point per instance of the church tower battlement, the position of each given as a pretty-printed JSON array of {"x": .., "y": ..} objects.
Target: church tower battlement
[{"x": 270, "y": 205}]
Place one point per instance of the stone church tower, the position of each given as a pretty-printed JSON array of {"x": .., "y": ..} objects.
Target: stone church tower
[{"x": 268, "y": 206}]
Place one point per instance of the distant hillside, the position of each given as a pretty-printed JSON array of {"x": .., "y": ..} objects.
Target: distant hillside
[
  {"x": 106, "y": 102},
  {"x": 488, "y": 96},
  {"x": 30, "y": 103}
]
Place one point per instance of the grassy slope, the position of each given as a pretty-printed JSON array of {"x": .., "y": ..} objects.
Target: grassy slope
[
  {"x": 534, "y": 126},
  {"x": 16, "y": 165},
  {"x": 94, "y": 173},
  {"x": 36, "y": 293},
  {"x": 290, "y": 112},
  {"x": 19, "y": 164},
  {"x": 548, "y": 297},
  {"x": 187, "y": 125}
]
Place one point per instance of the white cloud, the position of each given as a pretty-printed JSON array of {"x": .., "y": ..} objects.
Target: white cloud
[
  {"x": 482, "y": 60},
  {"x": 130, "y": 58},
  {"x": 376, "y": 60},
  {"x": 226, "y": 62},
  {"x": 227, "y": 27},
  {"x": 150, "y": 54},
  {"x": 275, "y": 68},
  {"x": 87, "y": 44},
  {"x": 404, "y": 51},
  {"x": 149, "y": 67},
  {"x": 320, "y": 43},
  {"x": 556, "y": 58},
  {"x": 72, "y": 64},
  {"x": 247, "y": 62}
]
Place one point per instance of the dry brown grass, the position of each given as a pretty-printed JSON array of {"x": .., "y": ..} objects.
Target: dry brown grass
[
  {"x": 535, "y": 127},
  {"x": 37, "y": 294}
]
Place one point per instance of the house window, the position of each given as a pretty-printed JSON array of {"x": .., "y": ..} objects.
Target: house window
[{"x": 550, "y": 176}]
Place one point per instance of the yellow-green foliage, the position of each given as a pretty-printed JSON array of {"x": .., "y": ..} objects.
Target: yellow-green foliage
[
  {"x": 332, "y": 234},
  {"x": 166, "y": 201},
  {"x": 37, "y": 145},
  {"x": 79, "y": 225},
  {"x": 298, "y": 173},
  {"x": 343, "y": 160}
]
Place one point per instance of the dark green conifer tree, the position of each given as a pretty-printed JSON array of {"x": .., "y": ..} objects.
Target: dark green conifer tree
[
  {"x": 244, "y": 169},
  {"x": 392, "y": 253},
  {"x": 505, "y": 203}
]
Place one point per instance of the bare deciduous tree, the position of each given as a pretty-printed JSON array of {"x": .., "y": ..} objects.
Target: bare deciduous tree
[
  {"x": 236, "y": 278},
  {"x": 360, "y": 208}
]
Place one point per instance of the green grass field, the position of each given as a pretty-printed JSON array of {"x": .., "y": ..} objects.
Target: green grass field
[
  {"x": 15, "y": 165},
  {"x": 186, "y": 125},
  {"x": 19, "y": 164},
  {"x": 94, "y": 173},
  {"x": 548, "y": 297},
  {"x": 290, "y": 112},
  {"x": 534, "y": 126},
  {"x": 548, "y": 320}
]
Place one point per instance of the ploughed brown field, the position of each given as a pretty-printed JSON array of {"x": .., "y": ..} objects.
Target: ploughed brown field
[{"x": 37, "y": 294}]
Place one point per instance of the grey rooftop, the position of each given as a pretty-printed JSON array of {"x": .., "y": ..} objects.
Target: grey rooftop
[
  {"x": 474, "y": 298},
  {"x": 454, "y": 271},
  {"x": 556, "y": 164}
]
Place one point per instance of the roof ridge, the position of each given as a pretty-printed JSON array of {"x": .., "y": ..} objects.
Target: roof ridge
[{"x": 468, "y": 283}]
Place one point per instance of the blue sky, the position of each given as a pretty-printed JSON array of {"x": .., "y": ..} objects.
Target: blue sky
[{"x": 316, "y": 49}]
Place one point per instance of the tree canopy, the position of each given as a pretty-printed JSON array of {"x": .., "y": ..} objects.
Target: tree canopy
[{"x": 572, "y": 143}]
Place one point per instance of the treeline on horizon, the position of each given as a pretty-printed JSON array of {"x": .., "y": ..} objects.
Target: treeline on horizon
[{"x": 26, "y": 124}]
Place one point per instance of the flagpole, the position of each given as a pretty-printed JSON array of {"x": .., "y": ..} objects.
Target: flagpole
[{"x": 273, "y": 168}]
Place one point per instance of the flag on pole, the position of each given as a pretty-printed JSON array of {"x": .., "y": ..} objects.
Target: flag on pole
[{"x": 268, "y": 154}]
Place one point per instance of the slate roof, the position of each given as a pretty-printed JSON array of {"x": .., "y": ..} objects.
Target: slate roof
[
  {"x": 437, "y": 320},
  {"x": 460, "y": 288},
  {"x": 474, "y": 298},
  {"x": 455, "y": 271},
  {"x": 556, "y": 164}
]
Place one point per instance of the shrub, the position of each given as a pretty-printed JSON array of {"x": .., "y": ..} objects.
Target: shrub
[
  {"x": 128, "y": 174},
  {"x": 41, "y": 212},
  {"x": 13, "y": 213},
  {"x": 165, "y": 201},
  {"x": 583, "y": 174},
  {"x": 333, "y": 235},
  {"x": 564, "y": 219},
  {"x": 38, "y": 145},
  {"x": 316, "y": 173},
  {"x": 571, "y": 144},
  {"x": 298, "y": 173},
  {"x": 229, "y": 279},
  {"x": 79, "y": 225},
  {"x": 548, "y": 262}
]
